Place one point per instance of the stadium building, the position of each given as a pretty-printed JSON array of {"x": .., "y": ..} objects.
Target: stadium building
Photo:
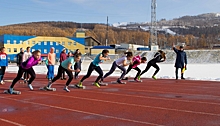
[{"x": 13, "y": 43}]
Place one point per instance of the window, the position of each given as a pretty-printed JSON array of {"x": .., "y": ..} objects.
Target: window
[
  {"x": 28, "y": 42},
  {"x": 8, "y": 41},
  {"x": 69, "y": 43},
  {"x": 57, "y": 51},
  {"x": 9, "y": 49},
  {"x": 86, "y": 43},
  {"x": 33, "y": 50},
  {"x": 21, "y": 42},
  {"x": 15, "y": 41},
  {"x": 45, "y": 43},
  {"x": 63, "y": 43},
  {"x": 39, "y": 50},
  {"x": 33, "y": 42},
  {"x": 15, "y": 50},
  {"x": 39, "y": 43},
  {"x": 51, "y": 43},
  {"x": 45, "y": 50},
  {"x": 57, "y": 43},
  {"x": 74, "y": 43}
]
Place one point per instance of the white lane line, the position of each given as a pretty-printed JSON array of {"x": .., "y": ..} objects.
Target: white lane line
[
  {"x": 173, "y": 85},
  {"x": 90, "y": 113},
  {"x": 11, "y": 122},
  {"x": 136, "y": 105},
  {"x": 168, "y": 92},
  {"x": 147, "y": 97}
]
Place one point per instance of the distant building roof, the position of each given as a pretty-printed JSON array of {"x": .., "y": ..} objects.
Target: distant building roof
[
  {"x": 102, "y": 47},
  {"x": 90, "y": 37}
]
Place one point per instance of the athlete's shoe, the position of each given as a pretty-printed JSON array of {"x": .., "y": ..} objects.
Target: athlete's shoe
[
  {"x": 2, "y": 82},
  {"x": 137, "y": 80},
  {"x": 49, "y": 84},
  {"x": 97, "y": 84},
  {"x": 79, "y": 85},
  {"x": 120, "y": 82},
  {"x": 139, "y": 77},
  {"x": 30, "y": 86},
  {"x": 10, "y": 90},
  {"x": 66, "y": 89},
  {"x": 102, "y": 83},
  {"x": 154, "y": 77}
]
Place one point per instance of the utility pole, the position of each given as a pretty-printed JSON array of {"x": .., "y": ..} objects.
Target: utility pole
[
  {"x": 153, "y": 28},
  {"x": 106, "y": 42}
]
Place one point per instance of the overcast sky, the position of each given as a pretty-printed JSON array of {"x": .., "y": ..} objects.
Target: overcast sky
[{"x": 96, "y": 11}]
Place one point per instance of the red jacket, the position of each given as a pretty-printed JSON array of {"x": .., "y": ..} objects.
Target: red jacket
[{"x": 63, "y": 57}]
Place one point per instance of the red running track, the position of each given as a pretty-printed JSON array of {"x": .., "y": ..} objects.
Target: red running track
[{"x": 152, "y": 102}]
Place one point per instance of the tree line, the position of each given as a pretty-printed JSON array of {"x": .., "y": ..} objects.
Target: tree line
[{"x": 194, "y": 38}]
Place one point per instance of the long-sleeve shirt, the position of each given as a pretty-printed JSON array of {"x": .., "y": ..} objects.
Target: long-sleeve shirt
[
  {"x": 26, "y": 55},
  {"x": 3, "y": 59},
  {"x": 20, "y": 58},
  {"x": 63, "y": 57},
  {"x": 51, "y": 58},
  {"x": 157, "y": 58},
  {"x": 30, "y": 62},
  {"x": 136, "y": 61}
]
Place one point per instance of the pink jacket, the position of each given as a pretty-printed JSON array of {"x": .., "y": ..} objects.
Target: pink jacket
[{"x": 137, "y": 59}]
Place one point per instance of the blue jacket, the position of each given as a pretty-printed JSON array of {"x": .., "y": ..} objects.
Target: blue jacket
[
  {"x": 3, "y": 59},
  {"x": 180, "y": 58}
]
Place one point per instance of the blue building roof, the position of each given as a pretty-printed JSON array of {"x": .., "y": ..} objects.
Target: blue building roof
[{"x": 102, "y": 47}]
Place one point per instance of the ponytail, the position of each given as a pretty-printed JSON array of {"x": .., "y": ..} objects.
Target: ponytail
[
  {"x": 163, "y": 54},
  {"x": 144, "y": 58},
  {"x": 128, "y": 54}
]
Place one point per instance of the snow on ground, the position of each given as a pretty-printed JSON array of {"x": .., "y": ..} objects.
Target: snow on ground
[{"x": 167, "y": 71}]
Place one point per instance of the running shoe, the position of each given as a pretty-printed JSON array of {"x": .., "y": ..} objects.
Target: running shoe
[
  {"x": 66, "y": 89},
  {"x": 97, "y": 84},
  {"x": 30, "y": 86},
  {"x": 154, "y": 77},
  {"x": 120, "y": 82}
]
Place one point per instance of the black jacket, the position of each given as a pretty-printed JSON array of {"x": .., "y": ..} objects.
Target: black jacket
[
  {"x": 180, "y": 58},
  {"x": 19, "y": 58},
  {"x": 157, "y": 58}
]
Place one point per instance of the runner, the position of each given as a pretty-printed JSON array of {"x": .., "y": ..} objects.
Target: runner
[
  {"x": 27, "y": 67},
  {"x": 137, "y": 60},
  {"x": 66, "y": 67},
  {"x": 158, "y": 57},
  {"x": 120, "y": 63},
  {"x": 95, "y": 66}
]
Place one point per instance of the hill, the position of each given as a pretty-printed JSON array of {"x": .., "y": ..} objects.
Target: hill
[{"x": 201, "y": 31}]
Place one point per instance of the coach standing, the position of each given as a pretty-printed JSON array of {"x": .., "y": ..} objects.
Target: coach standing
[{"x": 181, "y": 60}]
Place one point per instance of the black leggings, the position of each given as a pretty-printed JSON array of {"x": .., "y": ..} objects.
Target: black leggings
[
  {"x": 149, "y": 64},
  {"x": 20, "y": 73},
  {"x": 89, "y": 72},
  {"x": 61, "y": 70},
  {"x": 77, "y": 66},
  {"x": 26, "y": 75},
  {"x": 2, "y": 72},
  {"x": 114, "y": 65},
  {"x": 137, "y": 69}
]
